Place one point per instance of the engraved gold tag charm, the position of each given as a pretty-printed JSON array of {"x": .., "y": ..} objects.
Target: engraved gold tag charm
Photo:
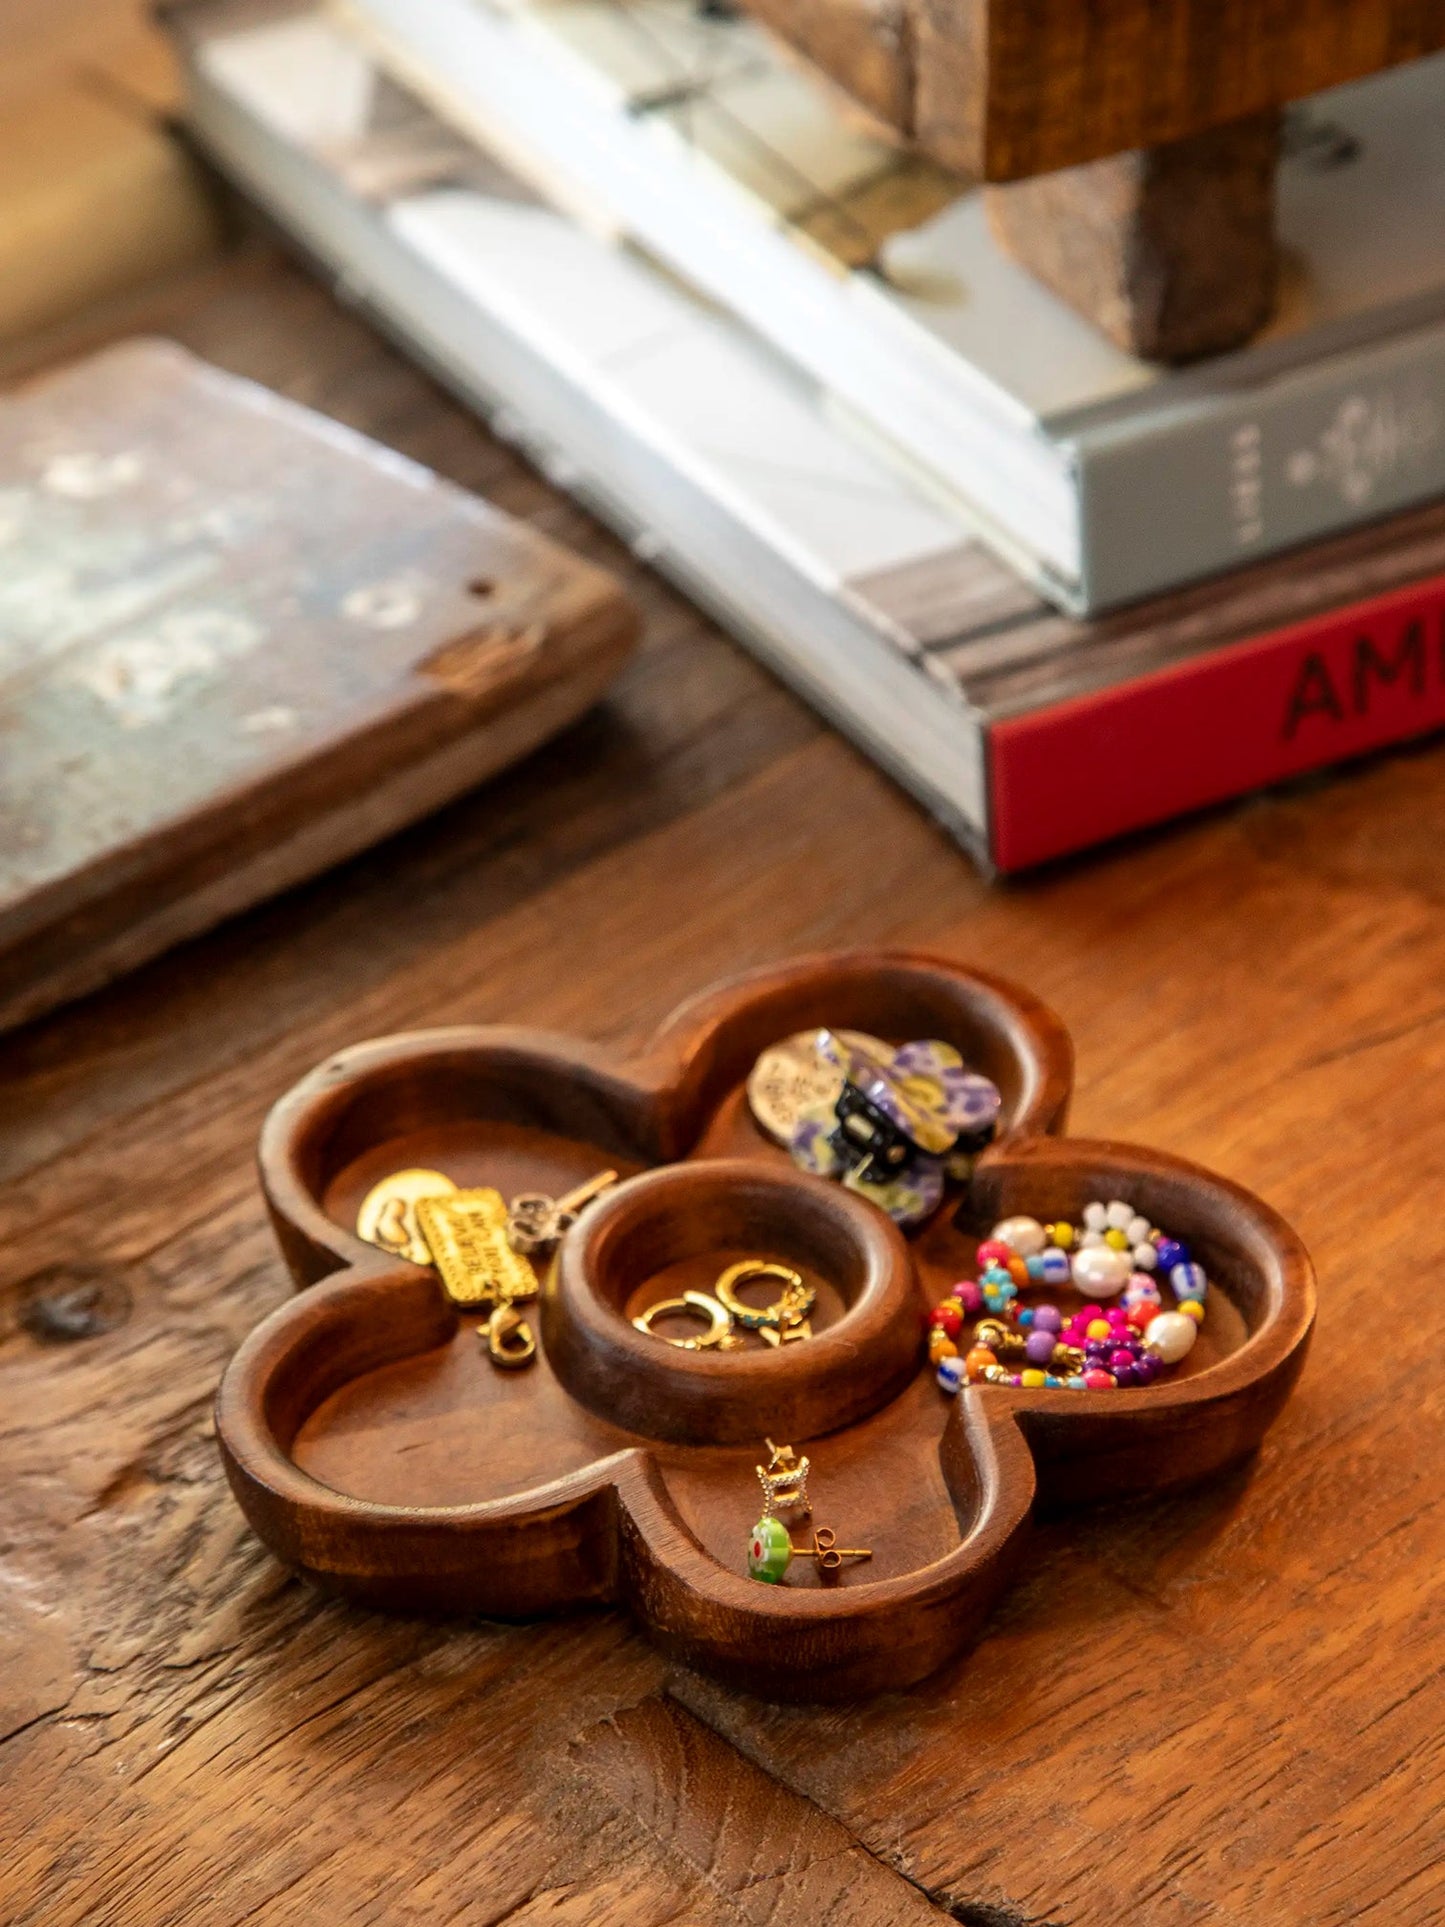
[
  {"x": 466, "y": 1233},
  {"x": 387, "y": 1217}
]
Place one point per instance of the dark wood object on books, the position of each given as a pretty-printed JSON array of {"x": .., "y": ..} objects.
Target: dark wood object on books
[
  {"x": 1213, "y": 1706},
  {"x": 1151, "y": 123},
  {"x": 1005, "y": 89},
  {"x": 1170, "y": 250},
  {"x": 375, "y": 1449}
]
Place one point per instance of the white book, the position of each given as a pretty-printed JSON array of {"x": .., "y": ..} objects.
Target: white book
[{"x": 1100, "y": 475}]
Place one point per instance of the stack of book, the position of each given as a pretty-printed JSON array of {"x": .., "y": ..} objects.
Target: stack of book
[{"x": 1057, "y": 592}]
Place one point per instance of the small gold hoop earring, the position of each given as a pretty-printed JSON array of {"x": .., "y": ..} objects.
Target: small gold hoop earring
[
  {"x": 719, "y": 1333},
  {"x": 786, "y": 1318}
]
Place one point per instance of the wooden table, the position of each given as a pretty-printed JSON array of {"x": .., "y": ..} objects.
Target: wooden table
[{"x": 1223, "y": 1708}]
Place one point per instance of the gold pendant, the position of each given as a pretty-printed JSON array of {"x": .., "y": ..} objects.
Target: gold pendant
[
  {"x": 785, "y": 1334},
  {"x": 388, "y": 1219},
  {"x": 466, "y": 1233}
]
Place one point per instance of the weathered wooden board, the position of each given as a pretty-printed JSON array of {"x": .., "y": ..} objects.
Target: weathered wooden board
[
  {"x": 237, "y": 643},
  {"x": 1219, "y": 1710}
]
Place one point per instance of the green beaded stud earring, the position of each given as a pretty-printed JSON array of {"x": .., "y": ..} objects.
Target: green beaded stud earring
[{"x": 771, "y": 1551}]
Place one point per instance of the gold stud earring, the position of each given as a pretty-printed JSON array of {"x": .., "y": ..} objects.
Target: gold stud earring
[{"x": 771, "y": 1551}]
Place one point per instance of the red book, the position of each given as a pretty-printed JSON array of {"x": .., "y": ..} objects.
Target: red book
[{"x": 1095, "y": 729}]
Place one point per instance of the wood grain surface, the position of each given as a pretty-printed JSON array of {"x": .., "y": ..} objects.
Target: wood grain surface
[
  {"x": 1220, "y": 1709},
  {"x": 1005, "y": 89}
]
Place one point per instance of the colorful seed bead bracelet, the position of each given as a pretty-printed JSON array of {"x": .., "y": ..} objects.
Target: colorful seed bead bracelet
[{"x": 1118, "y": 1254}]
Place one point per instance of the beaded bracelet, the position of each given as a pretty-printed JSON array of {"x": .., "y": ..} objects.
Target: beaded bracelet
[{"x": 1095, "y": 1349}]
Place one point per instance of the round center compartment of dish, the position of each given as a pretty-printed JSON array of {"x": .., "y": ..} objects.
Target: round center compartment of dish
[{"x": 670, "y": 1236}]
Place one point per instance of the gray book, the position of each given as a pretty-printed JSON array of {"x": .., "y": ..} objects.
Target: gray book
[
  {"x": 1101, "y": 477},
  {"x": 1011, "y": 723}
]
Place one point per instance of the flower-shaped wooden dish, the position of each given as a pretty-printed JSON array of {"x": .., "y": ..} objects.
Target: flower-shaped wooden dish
[{"x": 375, "y": 1449}]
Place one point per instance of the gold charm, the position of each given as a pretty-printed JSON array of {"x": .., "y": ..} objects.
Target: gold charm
[
  {"x": 466, "y": 1233},
  {"x": 782, "y": 1321},
  {"x": 508, "y": 1337},
  {"x": 387, "y": 1217},
  {"x": 536, "y": 1221},
  {"x": 793, "y": 1076},
  {"x": 784, "y": 1481},
  {"x": 719, "y": 1335}
]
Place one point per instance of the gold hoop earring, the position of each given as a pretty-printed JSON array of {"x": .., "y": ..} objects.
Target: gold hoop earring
[
  {"x": 786, "y": 1318},
  {"x": 719, "y": 1335}
]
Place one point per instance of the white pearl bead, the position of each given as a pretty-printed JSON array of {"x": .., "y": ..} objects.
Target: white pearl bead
[
  {"x": 1023, "y": 1235},
  {"x": 1146, "y": 1258},
  {"x": 1096, "y": 1217},
  {"x": 1137, "y": 1231},
  {"x": 1118, "y": 1214},
  {"x": 1102, "y": 1272},
  {"x": 1171, "y": 1335}
]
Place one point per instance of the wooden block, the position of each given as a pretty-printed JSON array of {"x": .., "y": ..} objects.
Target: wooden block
[
  {"x": 94, "y": 198},
  {"x": 1170, "y": 250},
  {"x": 1004, "y": 89},
  {"x": 237, "y": 643}
]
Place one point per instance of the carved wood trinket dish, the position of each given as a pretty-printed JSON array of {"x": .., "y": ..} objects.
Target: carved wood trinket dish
[{"x": 375, "y": 1451}]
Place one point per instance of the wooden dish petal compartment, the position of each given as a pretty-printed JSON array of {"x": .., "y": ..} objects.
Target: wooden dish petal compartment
[{"x": 375, "y": 1449}]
